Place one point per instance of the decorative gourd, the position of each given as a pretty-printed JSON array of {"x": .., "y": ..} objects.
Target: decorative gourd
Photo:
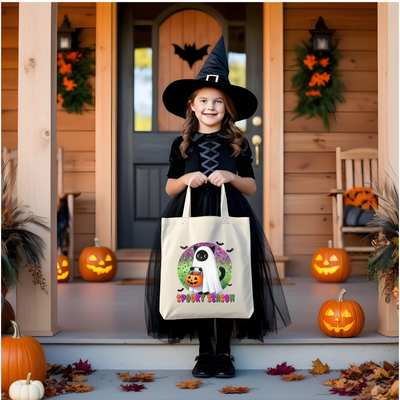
[
  {"x": 19, "y": 356},
  {"x": 6, "y": 316},
  {"x": 341, "y": 318},
  {"x": 63, "y": 268},
  {"x": 331, "y": 265},
  {"x": 97, "y": 264},
  {"x": 360, "y": 197},
  {"x": 26, "y": 389}
]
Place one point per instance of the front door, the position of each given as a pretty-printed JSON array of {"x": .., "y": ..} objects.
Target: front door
[{"x": 151, "y": 37}]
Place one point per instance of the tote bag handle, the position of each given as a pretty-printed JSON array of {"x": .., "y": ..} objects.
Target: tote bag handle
[{"x": 224, "y": 204}]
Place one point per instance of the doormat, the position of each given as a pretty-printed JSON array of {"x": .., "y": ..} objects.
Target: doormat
[{"x": 132, "y": 282}]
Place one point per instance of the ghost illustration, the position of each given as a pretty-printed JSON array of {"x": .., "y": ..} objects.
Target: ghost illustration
[{"x": 204, "y": 259}]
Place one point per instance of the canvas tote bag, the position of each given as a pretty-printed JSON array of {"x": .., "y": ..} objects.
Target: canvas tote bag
[{"x": 205, "y": 265}]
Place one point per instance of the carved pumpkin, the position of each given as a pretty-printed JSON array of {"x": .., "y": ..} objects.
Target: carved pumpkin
[
  {"x": 19, "y": 356},
  {"x": 7, "y": 314},
  {"x": 97, "y": 264},
  {"x": 195, "y": 278},
  {"x": 360, "y": 197},
  {"x": 341, "y": 318},
  {"x": 63, "y": 269},
  {"x": 331, "y": 265}
]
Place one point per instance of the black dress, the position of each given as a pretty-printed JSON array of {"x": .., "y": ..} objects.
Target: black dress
[{"x": 207, "y": 153}]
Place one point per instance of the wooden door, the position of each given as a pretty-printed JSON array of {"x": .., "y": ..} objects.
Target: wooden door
[{"x": 143, "y": 155}]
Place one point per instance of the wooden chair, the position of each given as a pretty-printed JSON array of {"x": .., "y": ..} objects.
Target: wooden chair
[
  {"x": 69, "y": 195},
  {"x": 360, "y": 169}
]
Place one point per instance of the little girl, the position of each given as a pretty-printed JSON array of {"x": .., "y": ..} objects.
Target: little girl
[{"x": 213, "y": 151}]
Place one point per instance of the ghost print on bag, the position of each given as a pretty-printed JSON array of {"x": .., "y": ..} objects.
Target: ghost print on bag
[{"x": 205, "y": 268}]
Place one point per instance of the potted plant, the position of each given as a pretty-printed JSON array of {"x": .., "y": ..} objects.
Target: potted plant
[
  {"x": 20, "y": 248},
  {"x": 383, "y": 263}
]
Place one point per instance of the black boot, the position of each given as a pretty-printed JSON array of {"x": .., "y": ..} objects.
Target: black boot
[
  {"x": 223, "y": 367},
  {"x": 204, "y": 366}
]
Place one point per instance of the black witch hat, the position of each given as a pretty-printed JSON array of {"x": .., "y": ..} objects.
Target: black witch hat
[{"x": 214, "y": 74}]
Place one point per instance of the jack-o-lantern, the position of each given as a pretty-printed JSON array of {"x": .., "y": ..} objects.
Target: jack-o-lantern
[
  {"x": 195, "y": 277},
  {"x": 97, "y": 264},
  {"x": 341, "y": 318},
  {"x": 331, "y": 265},
  {"x": 63, "y": 268}
]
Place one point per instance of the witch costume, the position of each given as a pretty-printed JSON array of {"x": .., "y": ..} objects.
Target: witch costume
[{"x": 208, "y": 153}]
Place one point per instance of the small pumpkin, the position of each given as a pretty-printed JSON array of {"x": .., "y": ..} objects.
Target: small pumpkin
[
  {"x": 331, "y": 265},
  {"x": 26, "y": 389},
  {"x": 19, "y": 356},
  {"x": 195, "y": 277},
  {"x": 7, "y": 315},
  {"x": 341, "y": 318},
  {"x": 97, "y": 264},
  {"x": 63, "y": 268},
  {"x": 360, "y": 197}
]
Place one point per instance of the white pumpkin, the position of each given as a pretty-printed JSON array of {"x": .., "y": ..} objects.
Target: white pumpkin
[{"x": 26, "y": 389}]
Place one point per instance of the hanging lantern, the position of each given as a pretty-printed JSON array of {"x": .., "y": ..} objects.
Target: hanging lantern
[
  {"x": 64, "y": 36},
  {"x": 321, "y": 36}
]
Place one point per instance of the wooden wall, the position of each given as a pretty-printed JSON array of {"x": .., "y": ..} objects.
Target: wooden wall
[
  {"x": 75, "y": 132},
  {"x": 309, "y": 150}
]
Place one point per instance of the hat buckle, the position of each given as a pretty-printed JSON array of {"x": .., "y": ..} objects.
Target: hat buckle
[{"x": 215, "y": 76}]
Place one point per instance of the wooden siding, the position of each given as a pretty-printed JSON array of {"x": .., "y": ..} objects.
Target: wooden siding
[
  {"x": 309, "y": 149},
  {"x": 75, "y": 132}
]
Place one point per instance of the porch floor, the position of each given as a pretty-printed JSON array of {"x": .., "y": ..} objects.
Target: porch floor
[{"x": 111, "y": 313}]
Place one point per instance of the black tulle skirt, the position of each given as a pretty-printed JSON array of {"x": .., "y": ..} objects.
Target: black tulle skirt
[{"x": 270, "y": 309}]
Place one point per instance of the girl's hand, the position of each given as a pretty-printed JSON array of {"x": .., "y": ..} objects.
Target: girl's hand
[
  {"x": 217, "y": 178},
  {"x": 197, "y": 179}
]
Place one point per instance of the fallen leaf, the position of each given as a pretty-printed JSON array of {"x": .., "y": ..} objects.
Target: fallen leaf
[
  {"x": 381, "y": 373},
  {"x": 78, "y": 388},
  {"x": 291, "y": 377},
  {"x": 339, "y": 383},
  {"x": 84, "y": 366},
  {"x": 70, "y": 372},
  {"x": 50, "y": 392},
  {"x": 79, "y": 378},
  {"x": 133, "y": 387},
  {"x": 394, "y": 390},
  {"x": 350, "y": 389},
  {"x": 319, "y": 368},
  {"x": 377, "y": 389},
  {"x": 188, "y": 384},
  {"x": 234, "y": 390},
  {"x": 388, "y": 367},
  {"x": 282, "y": 369},
  {"x": 144, "y": 377}
]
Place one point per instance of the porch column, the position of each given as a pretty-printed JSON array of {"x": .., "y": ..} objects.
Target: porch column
[
  {"x": 106, "y": 17},
  {"x": 37, "y": 155},
  {"x": 388, "y": 128},
  {"x": 273, "y": 131}
]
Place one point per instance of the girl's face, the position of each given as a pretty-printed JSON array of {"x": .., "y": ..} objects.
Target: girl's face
[{"x": 209, "y": 108}]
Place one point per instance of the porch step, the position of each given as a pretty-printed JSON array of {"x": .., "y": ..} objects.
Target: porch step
[
  {"x": 298, "y": 350},
  {"x": 262, "y": 386}
]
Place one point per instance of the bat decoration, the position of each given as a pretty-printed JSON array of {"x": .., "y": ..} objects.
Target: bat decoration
[
  {"x": 219, "y": 244},
  {"x": 229, "y": 251},
  {"x": 190, "y": 53},
  {"x": 183, "y": 248},
  {"x": 180, "y": 290}
]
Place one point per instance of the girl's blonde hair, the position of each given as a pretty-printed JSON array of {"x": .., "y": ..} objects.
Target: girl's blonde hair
[{"x": 232, "y": 133}]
